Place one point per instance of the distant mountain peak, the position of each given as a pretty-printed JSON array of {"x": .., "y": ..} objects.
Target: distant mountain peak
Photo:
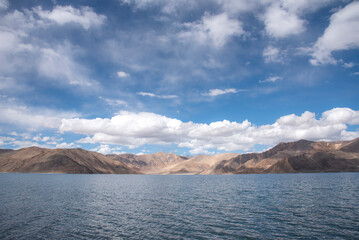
[{"x": 42, "y": 160}]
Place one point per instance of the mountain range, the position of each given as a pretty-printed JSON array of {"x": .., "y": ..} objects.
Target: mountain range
[{"x": 292, "y": 157}]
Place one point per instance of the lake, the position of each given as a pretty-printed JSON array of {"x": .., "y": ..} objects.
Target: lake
[{"x": 268, "y": 206}]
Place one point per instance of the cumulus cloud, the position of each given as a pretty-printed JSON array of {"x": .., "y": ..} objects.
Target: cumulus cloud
[
  {"x": 106, "y": 149},
  {"x": 215, "y": 29},
  {"x": 136, "y": 129},
  {"x": 122, "y": 74},
  {"x": 271, "y": 79},
  {"x": 280, "y": 22},
  {"x": 341, "y": 34},
  {"x": 103, "y": 149},
  {"x": 84, "y": 16},
  {"x": 217, "y": 92},
  {"x": 148, "y": 94},
  {"x": 283, "y": 18},
  {"x": 125, "y": 129}
]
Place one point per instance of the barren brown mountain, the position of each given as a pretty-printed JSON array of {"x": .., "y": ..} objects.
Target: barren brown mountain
[
  {"x": 200, "y": 164},
  {"x": 299, "y": 156},
  {"x": 149, "y": 163},
  {"x": 40, "y": 160},
  {"x": 292, "y": 157}
]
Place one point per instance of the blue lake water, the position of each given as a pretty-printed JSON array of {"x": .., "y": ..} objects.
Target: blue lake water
[{"x": 61, "y": 206}]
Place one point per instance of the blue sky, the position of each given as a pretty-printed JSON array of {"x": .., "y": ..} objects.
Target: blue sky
[{"x": 191, "y": 77}]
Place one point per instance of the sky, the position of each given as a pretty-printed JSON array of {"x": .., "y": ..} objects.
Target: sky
[{"x": 189, "y": 77}]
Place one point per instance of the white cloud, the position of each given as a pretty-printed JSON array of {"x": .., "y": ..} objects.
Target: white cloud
[
  {"x": 271, "y": 79},
  {"x": 214, "y": 29},
  {"x": 168, "y": 7},
  {"x": 136, "y": 129},
  {"x": 39, "y": 138},
  {"x": 58, "y": 64},
  {"x": 341, "y": 116},
  {"x": 25, "y": 144},
  {"x": 341, "y": 34},
  {"x": 289, "y": 10},
  {"x": 4, "y": 4},
  {"x": 32, "y": 118},
  {"x": 303, "y": 6},
  {"x": 9, "y": 84},
  {"x": 234, "y": 7},
  {"x": 114, "y": 102},
  {"x": 349, "y": 65},
  {"x": 126, "y": 128},
  {"x": 280, "y": 22},
  {"x": 106, "y": 149},
  {"x": 62, "y": 15},
  {"x": 13, "y": 32},
  {"x": 122, "y": 74},
  {"x": 47, "y": 139},
  {"x": 5, "y": 140},
  {"x": 212, "y": 63},
  {"x": 356, "y": 73},
  {"x": 26, "y": 139},
  {"x": 148, "y": 94},
  {"x": 22, "y": 51},
  {"x": 66, "y": 145},
  {"x": 23, "y": 136},
  {"x": 272, "y": 54},
  {"x": 217, "y": 92},
  {"x": 8, "y": 41},
  {"x": 283, "y": 18}
]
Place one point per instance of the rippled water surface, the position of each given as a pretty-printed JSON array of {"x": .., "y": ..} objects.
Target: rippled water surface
[{"x": 49, "y": 206}]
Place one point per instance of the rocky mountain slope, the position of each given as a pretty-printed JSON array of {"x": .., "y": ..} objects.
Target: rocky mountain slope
[
  {"x": 40, "y": 160},
  {"x": 300, "y": 156},
  {"x": 149, "y": 163},
  {"x": 200, "y": 164}
]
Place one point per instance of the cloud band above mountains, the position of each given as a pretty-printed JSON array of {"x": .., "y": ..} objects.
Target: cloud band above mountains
[{"x": 136, "y": 129}]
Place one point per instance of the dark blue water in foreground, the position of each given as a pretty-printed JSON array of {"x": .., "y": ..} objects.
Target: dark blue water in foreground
[{"x": 49, "y": 206}]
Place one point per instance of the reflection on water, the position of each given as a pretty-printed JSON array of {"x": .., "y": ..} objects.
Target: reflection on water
[{"x": 48, "y": 206}]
